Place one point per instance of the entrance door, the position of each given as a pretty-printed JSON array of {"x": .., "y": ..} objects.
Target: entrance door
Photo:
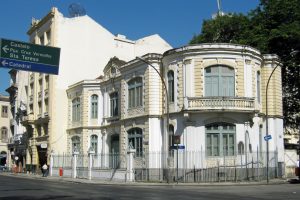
[
  {"x": 42, "y": 153},
  {"x": 114, "y": 152}
]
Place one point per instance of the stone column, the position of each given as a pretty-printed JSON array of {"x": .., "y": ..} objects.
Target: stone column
[
  {"x": 74, "y": 164},
  {"x": 130, "y": 165},
  {"x": 51, "y": 163},
  {"x": 91, "y": 152},
  {"x": 103, "y": 149}
]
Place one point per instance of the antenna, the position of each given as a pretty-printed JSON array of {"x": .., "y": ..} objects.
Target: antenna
[
  {"x": 76, "y": 10},
  {"x": 219, "y": 8}
]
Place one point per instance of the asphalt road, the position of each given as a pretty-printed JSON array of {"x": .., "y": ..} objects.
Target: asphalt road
[{"x": 25, "y": 188}]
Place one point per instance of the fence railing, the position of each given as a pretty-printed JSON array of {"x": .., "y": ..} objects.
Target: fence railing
[
  {"x": 183, "y": 166},
  {"x": 191, "y": 166}
]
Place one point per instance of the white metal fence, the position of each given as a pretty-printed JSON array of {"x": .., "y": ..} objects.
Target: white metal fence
[{"x": 183, "y": 166}]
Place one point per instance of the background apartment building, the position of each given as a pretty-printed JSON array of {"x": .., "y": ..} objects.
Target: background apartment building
[
  {"x": 86, "y": 47},
  {"x": 5, "y": 129},
  {"x": 18, "y": 91}
]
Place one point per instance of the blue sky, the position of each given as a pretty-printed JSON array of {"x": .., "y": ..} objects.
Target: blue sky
[{"x": 174, "y": 20}]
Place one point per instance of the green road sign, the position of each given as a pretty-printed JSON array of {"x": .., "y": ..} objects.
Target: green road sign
[{"x": 30, "y": 57}]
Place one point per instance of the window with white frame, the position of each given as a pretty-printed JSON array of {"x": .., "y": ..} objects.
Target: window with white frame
[
  {"x": 94, "y": 143},
  {"x": 135, "y": 140},
  {"x": 220, "y": 139},
  {"x": 171, "y": 85},
  {"x": 135, "y": 92},
  {"x": 219, "y": 81},
  {"x": 94, "y": 106},
  {"x": 75, "y": 144},
  {"x": 76, "y": 109},
  {"x": 114, "y": 110}
]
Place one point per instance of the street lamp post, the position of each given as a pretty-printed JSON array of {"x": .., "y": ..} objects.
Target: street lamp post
[
  {"x": 267, "y": 124},
  {"x": 166, "y": 141},
  {"x": 267, "y": 116}
]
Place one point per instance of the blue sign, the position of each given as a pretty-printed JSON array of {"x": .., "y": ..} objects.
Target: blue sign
[
  {"x": 28, "y": 66},
  {"x": 268, "y": 137},
  {"x": 177, "y": 147}
]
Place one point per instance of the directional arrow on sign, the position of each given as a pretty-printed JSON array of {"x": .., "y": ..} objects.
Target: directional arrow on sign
[
  {"x": 4, "y": 63},
  {"x": 5, "y": 49}
]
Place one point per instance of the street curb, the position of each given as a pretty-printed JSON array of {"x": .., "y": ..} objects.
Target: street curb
[{"x": 141, "y": 184}]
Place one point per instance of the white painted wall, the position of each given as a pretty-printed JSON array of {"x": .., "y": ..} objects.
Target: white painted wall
[{"x": 155, "y": 137}]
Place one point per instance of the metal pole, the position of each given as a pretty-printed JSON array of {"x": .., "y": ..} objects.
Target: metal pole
[
  {"x": 267, "y": 124},
  {"x": 177, "y": 165},
  {"x": 166, "y": 139}
]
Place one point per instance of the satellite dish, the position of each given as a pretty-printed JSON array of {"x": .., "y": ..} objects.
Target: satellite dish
[{"x": 76, "y": 10}]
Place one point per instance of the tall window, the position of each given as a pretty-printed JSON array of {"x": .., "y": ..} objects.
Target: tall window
[
  {"x": 114, "y": 104},
  {"x": 94, "y": 106},
  {"x": 219, "y": 81},
  {"x": 4, "y": 111},
  {"x": 94, "y": 143},
  {"x": 75, "y": 144},
  {"x": 135, "y": 92},
  {"x": 76, "y": 109},
  {"x": 258, "y": 86},
  {"x": 220, "y": 139},
  {"x": 135, "y": 140},
  {"x": 4, "y": 134},
  {"x": 171, "y": 85}
]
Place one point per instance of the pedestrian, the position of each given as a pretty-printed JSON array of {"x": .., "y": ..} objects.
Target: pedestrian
[{"x": 44, "y": 170}]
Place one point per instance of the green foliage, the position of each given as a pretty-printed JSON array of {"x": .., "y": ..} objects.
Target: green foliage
[{"x": 273, "y": 27}]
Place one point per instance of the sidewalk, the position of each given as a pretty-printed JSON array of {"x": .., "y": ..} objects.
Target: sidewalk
[{"x": 104, "y": 182}]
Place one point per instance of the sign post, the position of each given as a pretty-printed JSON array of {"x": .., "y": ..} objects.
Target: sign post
[{"x": 29, "y": 57}]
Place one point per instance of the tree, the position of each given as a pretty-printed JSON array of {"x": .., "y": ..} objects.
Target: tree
[{"x": 273, "y": 27}]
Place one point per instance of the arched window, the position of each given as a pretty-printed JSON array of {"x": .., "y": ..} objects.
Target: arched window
[
  {"x": 135, "y": 140},
  {"x": 114, "y": 110},
  {"x": 241, "y": 148},
  {"x": 4, "y": 134},
  {"x": 258, "y": 86},
  {"x": 219, "y": 81},
  {"x": 135, "y": 92},
  {"x": 75, "y": 144},
  {"x": 220, "y": 139},
  {"x": 94, "y": 143},
  {"x": 171, "y": 85},
  {"x": 76, "y": 109},
  {"x": 94, "y": 106}
]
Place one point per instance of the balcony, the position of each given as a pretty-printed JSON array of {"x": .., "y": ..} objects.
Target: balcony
[
  {"x": 29, "y": 119},
  {"x": 229, "y": 104}
]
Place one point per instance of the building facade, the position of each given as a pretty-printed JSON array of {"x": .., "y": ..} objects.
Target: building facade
[
  {"x": 5, "y": 133},
  {"x": 86, "y": 47},
  {"x": 217, "y": 108}
]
